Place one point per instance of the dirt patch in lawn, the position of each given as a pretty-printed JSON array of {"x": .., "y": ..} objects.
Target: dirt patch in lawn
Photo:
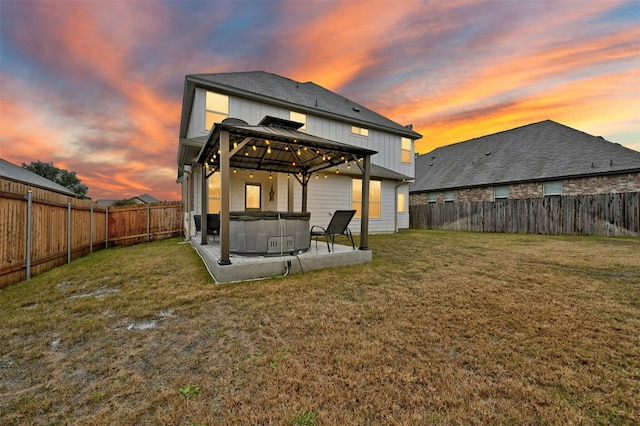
[{"x": 441, "y": 328}]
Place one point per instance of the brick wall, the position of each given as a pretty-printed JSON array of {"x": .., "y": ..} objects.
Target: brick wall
[
  {"x": 628, "y": 182},
  {"x": 475, "y": 194}
]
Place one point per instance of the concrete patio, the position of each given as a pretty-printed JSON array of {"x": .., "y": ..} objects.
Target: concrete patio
[{"x": 245, "y": 268}]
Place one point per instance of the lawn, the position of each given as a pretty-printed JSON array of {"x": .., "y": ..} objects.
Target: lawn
[{"x": 441, "y": 328}]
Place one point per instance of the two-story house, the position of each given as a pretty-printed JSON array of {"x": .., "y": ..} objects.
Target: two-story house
[{"x": 261, "y": 98}]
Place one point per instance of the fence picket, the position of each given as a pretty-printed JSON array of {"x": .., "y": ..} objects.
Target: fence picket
[
  {"x": 615, "y": 214},
  {"x": 64, "y": 228}
]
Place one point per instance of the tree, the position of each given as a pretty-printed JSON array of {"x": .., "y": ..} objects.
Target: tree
[
  {"x": 125, "y": 202},
  {"x": 60, "y": 176}
]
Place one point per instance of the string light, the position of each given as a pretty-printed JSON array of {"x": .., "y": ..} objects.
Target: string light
[
  {"x": 269, "y": 150},
  {"x": 299, "y": 153},
  {"x": 316, "y": 176},
  {"x": 235, "y": 171},
  {"x": 254, "y": 148},
  {"x": 251, "y": 173},
  {"x": 270, "y": 177}
]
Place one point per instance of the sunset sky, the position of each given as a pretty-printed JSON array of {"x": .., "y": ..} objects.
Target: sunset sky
[{"x": 96, "y": 86}]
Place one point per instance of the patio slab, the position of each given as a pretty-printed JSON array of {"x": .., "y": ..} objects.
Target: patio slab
[{"x": 245, "y": 268}]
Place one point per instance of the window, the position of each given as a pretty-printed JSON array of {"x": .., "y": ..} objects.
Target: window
[
  {"x": 252, "y": 196},
  {"x": 216, "y": 109},
  {"x": 355, "y": 130},
  {"x": 214, "y": 193},
  {"x": 552, "y": 188},
  {"x": 375, "y": 204},
  {"x": 432, "y": 197},
  {"x": 449, "y": 196},
  {"x": 299, "y": 118},
  {"x": 501, "y": 192},
  {"x": 401, "y": 203},
  {"x": 405, "y": 155}
]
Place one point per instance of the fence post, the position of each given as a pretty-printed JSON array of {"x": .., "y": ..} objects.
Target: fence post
[
  {"x": 106, "y": 227},
  {"x": 29, "y": 220},
  {"x": 68, "y": 232},
  {"x": 148, "y": 224},
  {"x": 91, "y": 229}
]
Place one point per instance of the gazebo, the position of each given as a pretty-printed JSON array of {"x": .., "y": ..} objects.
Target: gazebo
[{"x": 274, "y": 145}]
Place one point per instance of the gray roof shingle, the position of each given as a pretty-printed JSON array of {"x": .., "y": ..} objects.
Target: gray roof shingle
[
  {"x": 540, "y": 151},
  {"x": 304, "y": 97},
  {"x": 16, "y": 173}
]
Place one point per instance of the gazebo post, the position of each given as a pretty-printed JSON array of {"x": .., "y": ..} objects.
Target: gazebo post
[
  {"x": 305, "y": 181},
  {"x": 364, "y": 217},
  {"x": 224, "y": 198},
  {"x": 204, "y": 198}
]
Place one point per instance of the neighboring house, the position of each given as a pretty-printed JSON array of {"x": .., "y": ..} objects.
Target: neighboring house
[
  {"x": 532, "y": 161},
  {"x": 19, "y": 174},
  {"x": 140, "y": 199},
  {"x": 259, "y": 98}
]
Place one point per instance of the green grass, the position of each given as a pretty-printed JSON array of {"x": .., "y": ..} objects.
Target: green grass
[{"x": 441, "y": 328}]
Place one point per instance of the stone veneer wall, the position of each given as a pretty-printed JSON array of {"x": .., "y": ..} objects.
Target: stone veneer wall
[{"x": 628, "y": 182}]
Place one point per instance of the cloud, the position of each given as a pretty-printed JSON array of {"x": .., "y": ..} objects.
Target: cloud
[{"x": 97, "y": 85}]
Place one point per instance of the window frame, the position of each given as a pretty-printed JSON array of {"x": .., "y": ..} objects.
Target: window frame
[
  {"x": 213, "y": 111},
  {"x": 304, "y": 121},
  {"x": 402, "y": 203},
  {"x": 213, "y": 183},
  {"x": 404, "y": 150},
  {"x": 435, "y": 197},
  {"x": 357, "y": 204},
  {"x": 359, "y": 131},
  {"x": 449, "y": 196},
  {"x": 246, "y": 193},
  {"x": 500, "y": 197},
  {"x": 549, "y": 186}
]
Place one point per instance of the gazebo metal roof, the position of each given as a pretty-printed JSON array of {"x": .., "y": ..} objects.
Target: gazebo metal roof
[{"x": 275, "y": 145}]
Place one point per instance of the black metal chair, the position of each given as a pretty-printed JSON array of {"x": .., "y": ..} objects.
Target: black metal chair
[
  {"x": 339, "y": 225},
  {"x": 213, "y": 224}
]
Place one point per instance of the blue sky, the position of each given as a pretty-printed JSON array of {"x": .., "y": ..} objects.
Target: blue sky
[{"x": 96, "y": 86}]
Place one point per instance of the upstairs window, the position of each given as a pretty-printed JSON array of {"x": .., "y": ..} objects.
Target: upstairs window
[
  {"x": 375, "y": 198},
  {"x": 405, "y": 155},
  {"x": 552, "y": 188},
  {"x": 299, "y": 118},
  {"x": 360, "y": 131},
  {"x": 501, "y": 192},
  {"x": 216, "y": 109}
]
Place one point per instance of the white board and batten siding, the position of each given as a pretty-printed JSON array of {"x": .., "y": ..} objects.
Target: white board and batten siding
[{"x": 325, "y": 195}]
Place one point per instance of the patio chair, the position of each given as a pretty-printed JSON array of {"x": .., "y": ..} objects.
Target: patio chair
[
  {"x": 213, "y": 224},
  {"x": 337, "y": 226}
]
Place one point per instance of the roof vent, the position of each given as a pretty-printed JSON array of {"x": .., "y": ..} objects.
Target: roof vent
[
  {"x": 356, "y": 109},
  {"x": 487, "y": 153}
]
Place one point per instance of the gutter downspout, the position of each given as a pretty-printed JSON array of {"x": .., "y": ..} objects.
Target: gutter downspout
[{"x": 188, "y": 175}]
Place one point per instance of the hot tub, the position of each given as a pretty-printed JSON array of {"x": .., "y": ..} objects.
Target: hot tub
[{"x": 268, "y": 233}]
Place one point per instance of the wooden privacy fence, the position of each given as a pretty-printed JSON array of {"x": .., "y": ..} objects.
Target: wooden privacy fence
[
  {"x": 597, "y": 214},
  {"x": 40, "y": 229}
]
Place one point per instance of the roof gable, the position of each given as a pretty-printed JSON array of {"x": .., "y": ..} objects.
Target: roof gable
[
  {"x": 540, "y": 151},
  {"x": 11, "y": 171},
  {"x": 305, "y": 97}
]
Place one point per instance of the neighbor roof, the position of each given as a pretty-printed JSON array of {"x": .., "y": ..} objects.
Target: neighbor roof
[
  {"x": 536, "y": 152},
  {"x": 19, "y": 174},
  {"x": 305, "y": 97}
]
